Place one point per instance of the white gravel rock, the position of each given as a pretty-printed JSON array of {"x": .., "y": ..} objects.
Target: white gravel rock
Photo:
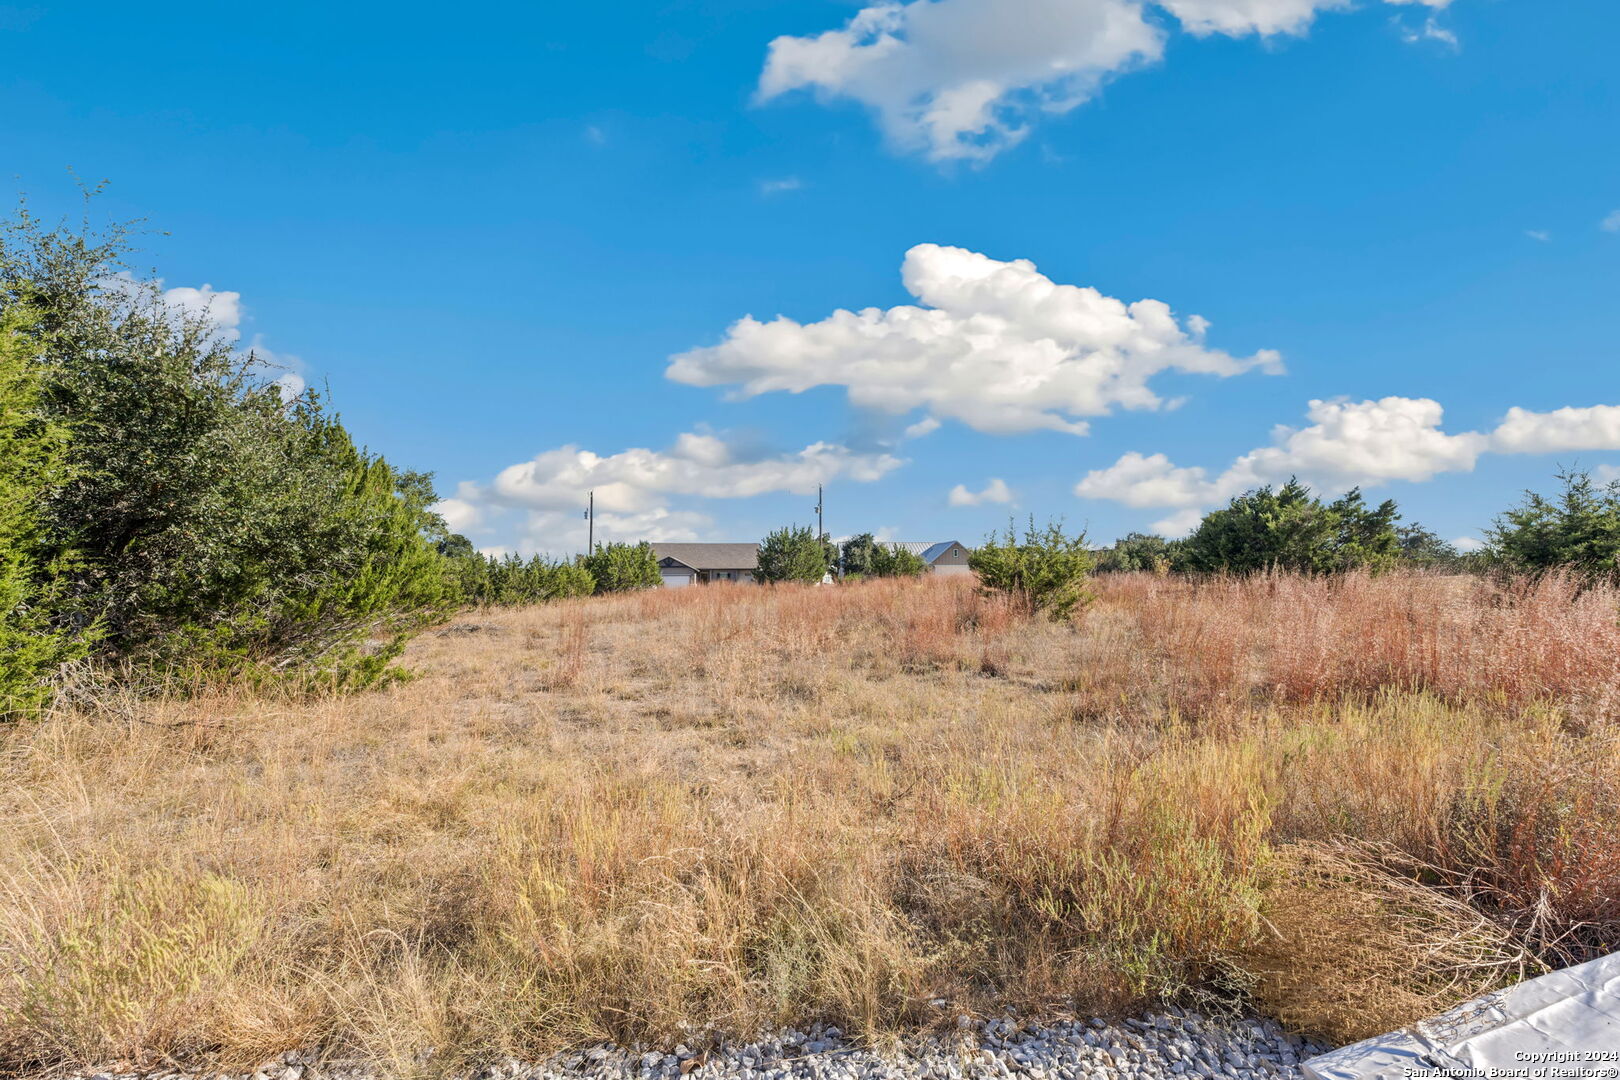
[{"x": 1170, "y": 1045}]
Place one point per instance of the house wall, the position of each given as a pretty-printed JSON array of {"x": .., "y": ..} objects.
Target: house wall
[
  {"x": 738, "y": 575},
  {"x": 954, "y": 560}
]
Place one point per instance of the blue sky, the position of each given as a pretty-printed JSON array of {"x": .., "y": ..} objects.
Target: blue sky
[{"x": 489, "y": 233}]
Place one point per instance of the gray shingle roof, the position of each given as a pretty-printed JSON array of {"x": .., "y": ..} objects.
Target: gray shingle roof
[{"x": 711, "y": 556}]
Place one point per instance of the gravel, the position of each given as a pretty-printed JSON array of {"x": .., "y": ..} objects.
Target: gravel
[{"x": 1169, "y": 1044}]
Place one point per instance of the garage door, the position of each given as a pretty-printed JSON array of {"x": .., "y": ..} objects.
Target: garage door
[{"x": 673, "y": 578}]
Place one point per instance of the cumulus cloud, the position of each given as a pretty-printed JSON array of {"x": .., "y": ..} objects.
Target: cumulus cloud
[
  {"x": 965, "y": 79},
  {"x": 1147, "y": 480},
  {"x": 460, "y": 514},
  {"x": 1347, "y": 444},
  {"x": 1524, "y": 432},
  {"x": 698, "y": 464},
  {"x": 996, "y": 345},
  {"x": 1468, "y": 543},
  {"x": 557, "y": 532},
  {"x": 220, "y": 307},
  {"x": 1352, "y": 444},
  {"x": 1179, "y": 524},
  {"x": 634, "y": 487},
  {"x": 996, "y": 491},
  {"x": 224, "y": 311}
]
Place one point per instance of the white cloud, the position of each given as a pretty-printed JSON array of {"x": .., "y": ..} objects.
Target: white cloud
[
  {"x": 1393, "y": 438},
  {"x": 1524, "y": 432},
  {"x": 634, "y": 487},
  {"x": 1611, "y": 223},
  {"x": 220, "y": 307},
  {"x": 997, "y": 346},
  {"x": 558, "y": 532},
  {"x": 958, "y": 78},
  {"x": 595, "y": 135},
  {"x": 1468, "y": 543},
  {"x": 1148, "y": 480},
  {"x": 1348, "y": 444},
  {"x": 996, "y": 491},
  {"x": 926, "y": 426},
  {"x": 1541, "y": 235},
  {"x": 288, "y": 370},
  {"x": 965, "y": 79},
  {"x": 1179, "y": 524},
  {"x": 1429, "y": 30},
  {"x": 1236, "y": 18},
  {"x": 703, "y": 465},
  {"x": 224, "y": 311},
  {"x": 1354, "y": 444},
  {"x": 459, "y": 514},
  {"x": 777, "y": 187}
]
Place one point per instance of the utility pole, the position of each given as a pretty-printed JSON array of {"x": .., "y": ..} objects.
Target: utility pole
[
  {"x": 590, "y": 529},
  {"x": 820, "y": 530}
]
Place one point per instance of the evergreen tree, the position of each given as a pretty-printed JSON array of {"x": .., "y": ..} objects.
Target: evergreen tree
[
  {"x": 1045, "y": 571},
  {"x": 215, "y": 527},
  {"x": 793, "y": 553},
  {"x": 1578, "y": 529},
  {"x": 1290, "y": 529},
  {"x": 618, "y": 567},
  {"x": 32, "y": 450}
]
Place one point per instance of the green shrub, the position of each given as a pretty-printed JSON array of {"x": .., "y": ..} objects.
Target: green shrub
[
  {"x": 620, "y": 567},
  {"x": 1046, "y": 571},
  {"x": 894, "y": 561},
  {"x": 216, "y": 529},
  {"x": 1289, "y": 529},
  {"x": 1579, "y": 530},
  {"x": 1424, "y": 549},
  {"x": 512, "y": 580},
  {"x": 794, "y": 553},
  {"x": 1137, "y": 552},
  {"x": 32, "y": 450},
  {"x": 864, "y": 556}
]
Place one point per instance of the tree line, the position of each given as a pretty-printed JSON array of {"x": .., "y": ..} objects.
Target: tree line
[
  {"x": 1289, "y": 528},
  {"x": 170, "y": 513}
]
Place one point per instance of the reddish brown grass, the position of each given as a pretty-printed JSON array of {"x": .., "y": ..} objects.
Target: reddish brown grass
[{"x": 713, "y": 809}]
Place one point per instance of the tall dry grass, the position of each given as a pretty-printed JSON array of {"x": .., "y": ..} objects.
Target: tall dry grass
[{"x": 693, "y": 813}]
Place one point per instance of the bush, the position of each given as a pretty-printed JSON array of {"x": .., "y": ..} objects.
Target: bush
[
  {"x": 1046, "y": 571},
  {"x": 1579, "y": 530},
  {"x": 1139, "y": 551},
  {"x": 512, "y": 580},
  {"x": 864, "y": 556},
  {"x": 794, "y": 553},
  {"x": 619, "y": 567},
  {"x": 895, "y": 561},
  {"x": 215, "y": 528},
  {"x": 31, "y": 456},
  {"x": 1289, "y": 529}
]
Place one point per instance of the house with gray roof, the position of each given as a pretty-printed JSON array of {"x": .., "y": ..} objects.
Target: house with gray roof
[
  {"x": 692, "y": 564},
  {"x": 941, "y": 556}
]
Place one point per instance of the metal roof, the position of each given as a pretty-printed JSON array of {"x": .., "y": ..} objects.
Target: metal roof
[
  {"x": 711, "y": 556},
  {"x": 929, "y": 550}
]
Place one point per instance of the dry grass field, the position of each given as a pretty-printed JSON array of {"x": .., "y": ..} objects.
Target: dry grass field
[{"x": 701, "y": 811}]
